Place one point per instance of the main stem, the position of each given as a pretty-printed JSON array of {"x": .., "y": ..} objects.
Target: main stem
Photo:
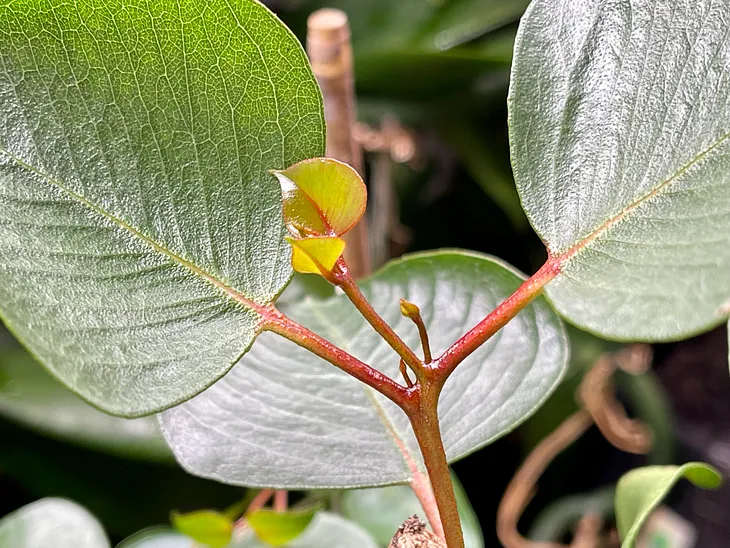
[{"x": 425, "y": 423}]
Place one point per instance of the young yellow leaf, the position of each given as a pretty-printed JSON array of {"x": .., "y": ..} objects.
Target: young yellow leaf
[
  {"x": 204, "y": 526},
  {"x": 321, "y": 197},
  {"x": 316, "y": 255}
]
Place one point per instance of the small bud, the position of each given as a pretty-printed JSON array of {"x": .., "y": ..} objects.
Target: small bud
[{"x": 409, "y": 310}]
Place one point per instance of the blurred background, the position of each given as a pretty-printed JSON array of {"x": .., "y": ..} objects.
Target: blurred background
[{"x": 431, "y": 81}]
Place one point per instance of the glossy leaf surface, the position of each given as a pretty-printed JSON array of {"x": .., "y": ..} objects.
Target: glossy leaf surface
[
  {"x": 640, "y": 491},
  {"x": 285, "y": 418},
  {"x": 380, "y": 511},
  {"x": 321, "y": 197},
  {"x": 620, "y": 118},
  {"x": 31, "y": 397},
  {"x": 139, "y": 219},
  {"x": 52, "y": 523}
]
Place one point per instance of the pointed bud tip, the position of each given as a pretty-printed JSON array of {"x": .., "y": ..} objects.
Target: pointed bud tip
[{"x": 408, "y": 309}]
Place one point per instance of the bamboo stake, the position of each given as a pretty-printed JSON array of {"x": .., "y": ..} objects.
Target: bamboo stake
[{"x": 330, "y": 54}]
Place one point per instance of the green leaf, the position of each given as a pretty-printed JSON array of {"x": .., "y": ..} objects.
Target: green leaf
[
  {"x": 204, "y": 526},
  {"x": 382, "y": 510},
  {"x": 285, "y": 418},
  {"x": 52, "y": 523},
  {"x": 140, "y": 224},
  {"x": 156, "y": 537},
  {"x": 321, "y": 197},
  {"x": 619, "y": 126},
  {"x": 29, "y": 396},
  {"x": 326, "y": 529},
  {"x": 278, "y": 528},
  {"x": 640, "y": 491}
]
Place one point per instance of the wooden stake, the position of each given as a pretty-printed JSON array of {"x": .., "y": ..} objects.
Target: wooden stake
[{"x": 330, "y": 54}]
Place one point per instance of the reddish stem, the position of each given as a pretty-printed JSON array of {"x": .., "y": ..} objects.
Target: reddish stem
[
  {"x": 426, "y": 428},
  {"x": 278, "y": 323},
  {"x": 281, "y": 500},
  {"x": 347, "y": 283},
  {"x": 259, "y": 501},
  {"x": 497, "y": 319}
]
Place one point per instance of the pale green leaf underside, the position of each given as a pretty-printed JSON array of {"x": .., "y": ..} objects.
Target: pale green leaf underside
[
  {"x": 285, "y": 418},
  {"x": 52, "y": 523},
  {"x": 620, "y": 118},
  {"x": 640, "y": 491},
  {"x": 31, "y": 397},
  {"x": 135, "y": 140},
  {"x": 381, "y": 510}
]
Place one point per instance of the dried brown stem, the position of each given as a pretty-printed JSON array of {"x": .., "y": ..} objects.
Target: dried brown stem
[
  {"x": 330, "y": 54},
  {"x": 597, "y": 393},
  {"x": 521, "y": 488}
]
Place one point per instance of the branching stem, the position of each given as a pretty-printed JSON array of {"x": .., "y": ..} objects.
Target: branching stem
[
  {"x": 280, "y": 324},
  {"x": 420, "y": 400},
  {"x": 347, "y": 283},
  {"x": 498, "y": 318}
]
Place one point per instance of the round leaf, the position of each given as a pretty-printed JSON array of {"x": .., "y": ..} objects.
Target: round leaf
[
  {"x": 619, "y": 126},
  {"x": 140, "y": 223},
  {"x": 31, "y": 397},
  {"x": 382, "y": 510},
  {"x": 640, "y": 491},
  {"x": 321, "y": 197},
  {"x": 52, "y": 523},
  {"x": 285, "y": 418}
]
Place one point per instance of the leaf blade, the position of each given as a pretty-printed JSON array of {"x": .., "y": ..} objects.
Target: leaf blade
[
  {"x": 129, "y": 176},
  {"x": 619, "y": 156},
  {"x": 640, "y": 491}
]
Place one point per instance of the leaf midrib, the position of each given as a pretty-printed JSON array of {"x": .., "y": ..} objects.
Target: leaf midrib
[
  {"x": 235, "y": 295},
  {"x": 563, "y": 257}
]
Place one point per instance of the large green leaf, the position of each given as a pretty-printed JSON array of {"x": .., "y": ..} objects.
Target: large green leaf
[
  {"x": 640, "y": 491},
  {"x": 52, "y": 523},
  {"x": 31, "y": 397},
  {"x": 381, "y": 510},
  {"x": 620, "y": 117},
  {"x": 139, "y": 220},
  {"x": 285, "y": 418}
]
